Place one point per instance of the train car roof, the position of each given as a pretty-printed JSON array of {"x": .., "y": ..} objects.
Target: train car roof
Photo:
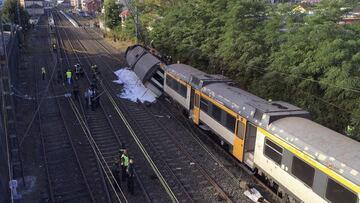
[
  {"x": 330, "y": 148},
  {"x": 133, "y": 54},
  {"x": 183, "y": 71},
  {"x": 249, "y": 106}
]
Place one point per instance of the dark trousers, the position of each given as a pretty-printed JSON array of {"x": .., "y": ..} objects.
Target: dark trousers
[
  {"x": 92, "y": 104},
  {"x": 43, "y": 76},
  {"x": 123, "y": 173},
  {"x": 130, "y": 184},
  {"x": 76, "y": 93},
  {"x": 115, "y": 173}
]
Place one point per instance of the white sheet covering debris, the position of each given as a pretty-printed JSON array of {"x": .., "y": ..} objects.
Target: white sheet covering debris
[
  {"x": 133, "y": 89},
  {"x": 254, "y": 195}
]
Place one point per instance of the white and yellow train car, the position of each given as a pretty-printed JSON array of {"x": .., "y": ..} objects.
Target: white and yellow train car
[
  {"x": 302, "y": 160},
  {"x": 273, "y": 138}
]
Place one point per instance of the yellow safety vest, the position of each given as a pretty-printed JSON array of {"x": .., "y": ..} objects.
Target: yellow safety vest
[
  {"x": 124, "y": 160},
  {"x": 68, "y": 74}
]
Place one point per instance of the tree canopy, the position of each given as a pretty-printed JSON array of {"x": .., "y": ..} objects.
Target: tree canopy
[
  {"x": 112, "y": 12},
  {"x": 10, "y": 13}
]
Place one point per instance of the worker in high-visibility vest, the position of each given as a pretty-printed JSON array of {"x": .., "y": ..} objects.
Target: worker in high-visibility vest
[
  {"x": 124, "y": 164},
  {"x": 68, "y": 76}
]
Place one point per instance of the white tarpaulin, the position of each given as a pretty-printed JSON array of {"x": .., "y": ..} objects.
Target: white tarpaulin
[
  {"x": 255, "y": 195},
  {"x": 133, "y": 89}
]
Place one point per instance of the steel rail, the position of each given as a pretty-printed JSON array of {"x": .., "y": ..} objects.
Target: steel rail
[
  {"x": 91, "y": 139},
  {"x": 90, "y": 142},
  {"x": 69, "y": 140},
  {"x": 156, "y": 170}
]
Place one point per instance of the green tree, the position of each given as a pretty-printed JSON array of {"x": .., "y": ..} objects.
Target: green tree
[
  {"x": 315, "y": 67},
  {"x": 112, "y": 12},
  {"x": 10, "y": 13},
  {"x": 273, "y": 51}
]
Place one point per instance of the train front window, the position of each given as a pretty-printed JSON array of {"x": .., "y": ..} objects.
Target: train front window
[{"x": 336, "y": 193}]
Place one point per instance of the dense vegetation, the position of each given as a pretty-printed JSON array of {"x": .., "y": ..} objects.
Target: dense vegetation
[
  {"x": 10, "y": 13},
  {"x": 272, "y": 51}
]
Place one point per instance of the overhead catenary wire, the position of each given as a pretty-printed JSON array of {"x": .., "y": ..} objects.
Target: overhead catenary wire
[{"x": 39, "y": 106}]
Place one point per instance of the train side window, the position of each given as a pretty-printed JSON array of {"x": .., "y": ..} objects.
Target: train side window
[
  {"x": 240, "y": 130},
  {"x": 303, "y": 171},
  {"x": 230, "y": 122},
  {"x": 336, "y": 193},
  {"x": 216, "y": 113},
  {"x": 204, "y": 105},
  {"x": 169, "y": 81},
  {"x": 175, "y": 85},
  {"x": 273, "y": 151},
  {"x": 182, "y": 90}
]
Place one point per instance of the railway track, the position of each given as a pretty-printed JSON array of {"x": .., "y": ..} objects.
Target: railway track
[
  {"x": 103, "y": 133},
  {"x": 89, "y": 155},
  {"x": 174, "y": 168},
  {"x": 231, "y": 168},
  {"x": 65, "y": 176}
]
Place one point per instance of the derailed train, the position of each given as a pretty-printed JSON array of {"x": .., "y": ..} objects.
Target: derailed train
[{"x": 302, "y": 160}]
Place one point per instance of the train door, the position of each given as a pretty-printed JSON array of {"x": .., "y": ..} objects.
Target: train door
[
  {"x": 239, "y": 138},
  {"x": 250, "y": 139},
  {"x": 196, "y": 107}
]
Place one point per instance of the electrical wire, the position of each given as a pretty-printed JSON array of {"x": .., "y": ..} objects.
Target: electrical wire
[{"x": 26, "y": 134}]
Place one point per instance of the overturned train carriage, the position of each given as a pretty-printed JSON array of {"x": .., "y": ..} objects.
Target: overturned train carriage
[
  {"x": 302, "y": 160},
  {"x": 147, "y": 67}
]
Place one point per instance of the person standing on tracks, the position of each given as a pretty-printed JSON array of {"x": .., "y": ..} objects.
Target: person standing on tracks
[
  {"x": 76, "y": 91},
  {"x": 94, "y": 81},
  {"x": 77, "y": 71},
  {"x": 130, "y": 176},
  {"x": 69, "y": 76},
  {"x": 124, "y": 164},
  {"x": 43, "y": 72},
  {"x": 94, "y": 68},
  {"x": 92, "y": 98},
  {"x": 87, "y": 95}
]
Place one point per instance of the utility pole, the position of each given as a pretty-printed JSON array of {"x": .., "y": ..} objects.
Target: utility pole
[
  {"x": 136, "y": 25},
  {"x": 18, "y": 12},
  {"x": 136, "y": 20}
]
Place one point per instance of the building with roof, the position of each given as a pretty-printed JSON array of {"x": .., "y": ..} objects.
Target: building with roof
[
  {"x": 124, "y": 15},
  {"x": 352, "y": 16},
  {"x": 34, "y": 7},
  {"x": 91, "y": 6}
]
